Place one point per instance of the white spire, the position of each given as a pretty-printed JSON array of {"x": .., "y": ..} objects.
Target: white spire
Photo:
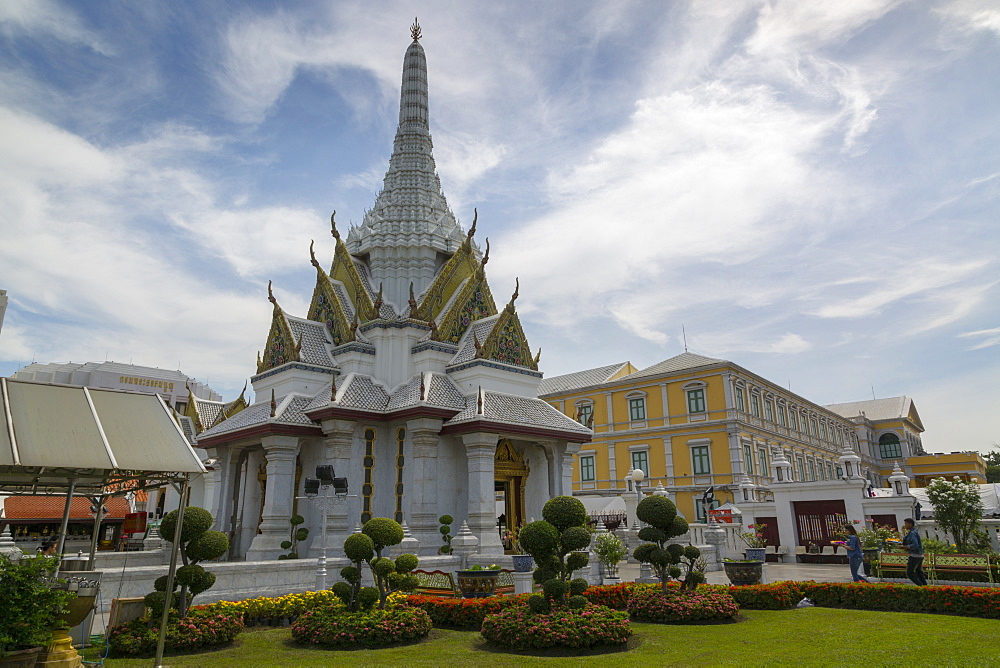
[{"x": 410, "y": 223}]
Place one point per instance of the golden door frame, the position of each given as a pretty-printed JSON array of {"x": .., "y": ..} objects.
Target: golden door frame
[{"x": 509, "y": 468}]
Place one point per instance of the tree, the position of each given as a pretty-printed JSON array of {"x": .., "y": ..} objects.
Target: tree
[
  {"x": 660, "y": 514},
  {"x": 958, "y": 509},
  {"x": 197, "y": 544},
  {"x": 993, "y": 463},
  {"x": 390, "y": 575},
  {"x": 553, "y": 542},
  {"x": 295, "y": 536}
]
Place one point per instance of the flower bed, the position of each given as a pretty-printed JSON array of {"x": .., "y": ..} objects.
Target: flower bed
[
  {"x": 375, "y": 628},
  {"x": 463, "y": 613},
  {"x": 616, "y": 596},
  {"x": 517, "y": 628},
  {"x": 682, "y": 607},
  {"x": 965, "y": 601},
  {"x": 270, "y": 611},
  {"x": 201, "y": 628}
]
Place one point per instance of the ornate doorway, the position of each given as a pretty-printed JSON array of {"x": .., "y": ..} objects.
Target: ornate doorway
[{"x": 510, "y": 475}]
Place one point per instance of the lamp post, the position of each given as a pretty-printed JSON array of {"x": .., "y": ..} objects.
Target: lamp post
[
  {"x": 638, "y": 475},
  {"x": 326, "y": 481}
]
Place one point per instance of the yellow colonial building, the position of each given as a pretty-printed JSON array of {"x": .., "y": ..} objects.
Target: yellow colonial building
[{"x": 693, "y": 422}]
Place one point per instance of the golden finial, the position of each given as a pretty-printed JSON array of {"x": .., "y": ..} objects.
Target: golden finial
[
  {"x": 413, "y": 301},
  {"x": 538, "y": 357},
  {"x": 270, "y": 294},
  {"x": 333, "y": 225},
  {"x": 517, "y": 293},
  {"x": 274, "y": 405},
  {"x": 312, "y": 254},
  {"x": 415, "y": 30},
  {"x": 486, "y": 255}
]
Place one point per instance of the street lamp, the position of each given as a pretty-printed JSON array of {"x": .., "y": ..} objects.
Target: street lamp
[
  {"x": 637, "y": 477},
  {"x": 325, "y": 479}
]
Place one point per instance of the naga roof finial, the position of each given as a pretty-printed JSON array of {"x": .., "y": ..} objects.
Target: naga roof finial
[
  {"x": 415, "y": 30},
  {"x": 270, "y": 294},
  {"x": 475, "y": 219},
  {"x": 274, "y": 404},
  {"x": 538, "y": 357},
  {"x": 486, "y": 255},
  {"x": 517, "y": 293},
  {"x": 413, "y": 300},
  {"x": 378, "y": 300},
  {"x": 312, "y": 254},
  {"x": 333, "y": 225}
]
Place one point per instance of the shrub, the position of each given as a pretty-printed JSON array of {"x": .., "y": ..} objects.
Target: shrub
[
  {"x": 445, "y": 529},
  {"x": 682, "y": 607},
  {"x": 517, "y": 628},
  {"x": 296, "y": 535},
  {"x": 660, "y": 514},
  {"x": 201, "y": 628},
  {"x": 964, "y": 601},
  {"x": 463, "y": 613},
  {"x": 616, "y": 596},
  {"x": 375, "y": 628},
  {"x": 197, "y": 544},
  {"x": 269, "y": 611},
  {"x": 564, "y": 512},
  {"x": 29, "y": 605},
  {"x": 776, "y": 596},
  {"x": 552, "y": 542},
  {"x": 390, "y": 575}
]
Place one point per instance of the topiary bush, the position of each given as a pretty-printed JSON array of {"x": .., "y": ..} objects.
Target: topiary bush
[
  {"x": 197, "y": 544},
  {"x": 660, "y": 514},
  {"x": 390, "y": 575},
  {"x": 679, "y": 606},
  {"x": 582, "y": 626},
  {"x": 374, "y": 628},
  {"x": 552, "y": 541},
  {"x": 445, "y": 529},
  {"x": 296, "y": 535}
]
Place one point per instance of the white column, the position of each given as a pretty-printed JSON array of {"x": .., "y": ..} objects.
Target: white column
[
  {"x": 337, "y": 447},
  {"x": 569, "y": 451},
  {"x": 274, "y": 526},
  {"x": 480, "y": 449},
  {"x": 423, "y": 492}
]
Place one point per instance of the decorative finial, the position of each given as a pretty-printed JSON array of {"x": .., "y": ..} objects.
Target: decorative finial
[
  {"x": 274, "y": 404},
  {"x": 479, "y": 401},
  {"x": 475, "y": 342},
  {"x": 538, "y": 356},
  {"x": 244, "y": 391},
  {"x": 333, "y": 388},
  {"x": 270, "y": 294},
  {"x": 433, "y": 325},
  {"x": 486, "y": 255},
  {"x": 517, "y": 292},
  {"x": 312, "y": 254},
  {"x": 354, "y": 325},
  {"x": 415, "y": 30},
  {"x": 423, "y": 388},
  {"x": 413, "y": 300},
  {"x": 475, "y": 219},
  {"x": 378, "y": 300},
  {"x": 590, "y": 421},
  {"x": 333, "y": 225}
]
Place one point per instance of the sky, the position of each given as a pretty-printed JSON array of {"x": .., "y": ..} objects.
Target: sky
[{"x": 808, "y": 189}]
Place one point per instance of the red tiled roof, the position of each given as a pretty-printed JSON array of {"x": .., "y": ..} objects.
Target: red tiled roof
[{"x": 51, "y": 507}]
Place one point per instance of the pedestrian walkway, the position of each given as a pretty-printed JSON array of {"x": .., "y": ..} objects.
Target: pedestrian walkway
[{"x": 773, "y": 572}]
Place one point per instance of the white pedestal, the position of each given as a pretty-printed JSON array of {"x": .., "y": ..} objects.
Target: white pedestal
[{"x": 523, "y": 583}]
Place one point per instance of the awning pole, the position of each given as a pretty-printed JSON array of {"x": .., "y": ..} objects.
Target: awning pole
[
  {"x": 99, "y": 500},
  {"x": 168, "y": 598},
  {"x": 65, "y": 520}
]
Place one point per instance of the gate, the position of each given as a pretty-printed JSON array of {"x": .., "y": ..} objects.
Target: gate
[{"x": 818, "y": 521}]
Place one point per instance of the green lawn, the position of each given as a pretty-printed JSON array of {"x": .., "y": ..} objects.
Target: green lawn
[{"x": 812, "y": 636}]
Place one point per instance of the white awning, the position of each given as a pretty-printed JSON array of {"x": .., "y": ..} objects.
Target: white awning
[{"x": 55, "y": 432}]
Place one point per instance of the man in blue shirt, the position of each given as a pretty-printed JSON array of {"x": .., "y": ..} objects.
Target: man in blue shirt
[{"x": 913, "y": 545}]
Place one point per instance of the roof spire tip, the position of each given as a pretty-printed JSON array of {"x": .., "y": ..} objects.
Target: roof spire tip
[{"x": 415, "y": 30}]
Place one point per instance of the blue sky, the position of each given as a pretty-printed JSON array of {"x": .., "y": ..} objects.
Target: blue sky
[{"x": 810, "y": 188}]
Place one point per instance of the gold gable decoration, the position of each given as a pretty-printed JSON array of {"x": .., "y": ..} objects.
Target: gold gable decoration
[
  {"x": 474, "y": 302},
  {"x": 326, "y": 307},
  {"x": 507, "y": 461},
  {"x": 506, "y": 342},
  {"x": 461, "y": 266},
  {"x": 191, "y": 410},
  {"x": 343, "y": 270},
  {"x": 281, "y": 346},
  {"x": 233, "y": 407}
]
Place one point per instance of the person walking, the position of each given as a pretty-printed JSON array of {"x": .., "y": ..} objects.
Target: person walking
[
  {"x": 854, "y": 554},
  {"x": 913, "y": 545}
]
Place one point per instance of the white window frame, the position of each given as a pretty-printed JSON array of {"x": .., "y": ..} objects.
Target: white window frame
[
  {"x": 592, "y": 456},
  {"x": 632, "y": 450},
  {"x": 629, "y": 398},
  {"x": 700, "y": 443}
]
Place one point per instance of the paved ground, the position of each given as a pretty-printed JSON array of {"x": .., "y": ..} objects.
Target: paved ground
[{"x": 772, "y": 573}]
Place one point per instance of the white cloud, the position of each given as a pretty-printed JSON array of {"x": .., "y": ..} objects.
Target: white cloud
[
  {"x": 990, "y": 338},
  {"x": 48, "y": 18}
]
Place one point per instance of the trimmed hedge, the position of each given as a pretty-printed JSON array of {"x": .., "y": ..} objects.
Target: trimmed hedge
[
  {"x": 201, "y": 628},
  {"x": 887, "y": 597},
  {"x": 272, "y": 610},
  {"x": 682, "y": 607},
  {"x": 463, "y": 613},
  {"x": 517, "y": 628}
]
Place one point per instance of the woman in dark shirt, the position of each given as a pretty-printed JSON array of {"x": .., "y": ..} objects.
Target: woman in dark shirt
[{"x": 854, "y": 554}]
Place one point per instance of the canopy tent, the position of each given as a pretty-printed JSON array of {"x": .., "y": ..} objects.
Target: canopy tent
[
  {"x": 56, "y": 439},
  {"x": 989, "y": 493},
  {"x": 100, "y": 442}
]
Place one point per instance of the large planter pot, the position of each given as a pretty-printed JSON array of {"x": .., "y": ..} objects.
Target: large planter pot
[
  {"x": 522, "y": 562},
  {"x": 869, "y": 557},
  {"x": 756, "y": 553},
  {"x": 477, "y": 584},
  {"x": 22, "y": 658},
  {"x": 742, "y": 573}
]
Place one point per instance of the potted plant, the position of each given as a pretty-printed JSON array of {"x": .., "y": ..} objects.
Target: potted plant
[
  {"x": 522, "y": 562},
  {"x": 743, "y": 572},
  {"x": 756, "y": 542},
  {"x": 477, "y": 581},
  {"x": 610, "y": 550},
  {"x": 873, "y": 540},
  {"x": 32, "y": 604}
]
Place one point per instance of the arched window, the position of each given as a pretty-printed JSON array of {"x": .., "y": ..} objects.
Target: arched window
[{"x": 888, "y": 447}]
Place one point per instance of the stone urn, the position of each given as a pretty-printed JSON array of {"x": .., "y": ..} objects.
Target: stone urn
[
  {"x": 742, "y": 573},
  {"x": 60, "y": 651},
  {"x": 477, "y": 584},
  {"x": 756, "y": 553},
  {"x": 522, "y": 562},
  {"x": 22, "y": 658}
]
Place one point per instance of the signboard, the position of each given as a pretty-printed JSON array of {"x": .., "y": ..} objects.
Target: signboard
[
  {"x": 721, "y": 516},
  {"x": 135, "y": 523}
]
